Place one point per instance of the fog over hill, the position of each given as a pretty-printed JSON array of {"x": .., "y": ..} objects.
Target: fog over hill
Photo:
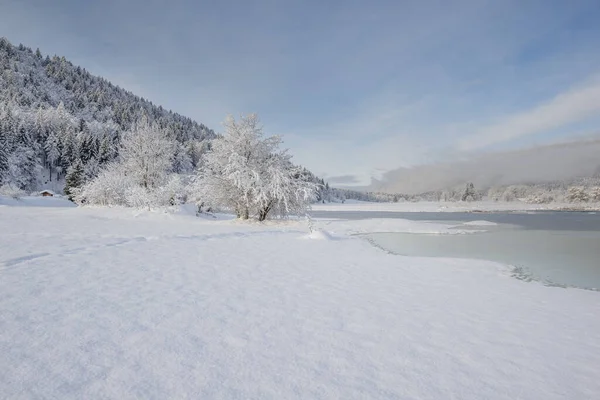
[{"x": 562, "y": 161}]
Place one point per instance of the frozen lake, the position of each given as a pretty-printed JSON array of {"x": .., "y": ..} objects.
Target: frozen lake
[{"x": 559, "y": 248}]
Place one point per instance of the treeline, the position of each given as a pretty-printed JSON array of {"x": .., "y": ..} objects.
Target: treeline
[
  {"x": 578, "y": 190},
  {"x": 328, "y": 194}
]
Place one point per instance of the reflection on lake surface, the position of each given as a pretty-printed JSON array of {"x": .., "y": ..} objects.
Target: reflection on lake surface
[{"x": 561, "y": 248}]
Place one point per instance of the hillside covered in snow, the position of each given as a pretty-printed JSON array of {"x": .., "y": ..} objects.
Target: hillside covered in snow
[{"x": 54, "y": 114}]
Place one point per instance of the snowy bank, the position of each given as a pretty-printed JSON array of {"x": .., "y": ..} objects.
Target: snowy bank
[
  {"x": 101, "y": 303},
  {"x": 36, "y": 201}
]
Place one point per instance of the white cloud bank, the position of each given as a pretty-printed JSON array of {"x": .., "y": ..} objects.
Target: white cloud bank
[{"x": 569, "y": 107}]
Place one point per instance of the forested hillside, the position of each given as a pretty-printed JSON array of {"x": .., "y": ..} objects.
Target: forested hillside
[
  {"x": 54, "y": 114},
  {"x": 56, "y": 117}
]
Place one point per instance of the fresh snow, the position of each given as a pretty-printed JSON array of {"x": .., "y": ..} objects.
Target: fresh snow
[
  {"x": 115, "y": 304},
  {"x": 36, "y": 201}
]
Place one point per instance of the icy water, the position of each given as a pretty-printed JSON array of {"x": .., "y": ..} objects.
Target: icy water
[{"x": 557, "y": 248}]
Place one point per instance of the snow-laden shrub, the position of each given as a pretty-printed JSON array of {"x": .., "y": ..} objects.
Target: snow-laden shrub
[
  {"x": 113, "y": 188},
  {"x": 539, "y": 198},
  {"x": 515, "y": 192},
  {"x": 142, "y": 177},
  {"x": 495, "y": 193},
  {"x": 172, "y": 193},
  {"x": 12, "y": 191},
  {"x": 139, "y": 197},
  {"x": 447, "y": 195},
  {"x": 110, "y": 188}
]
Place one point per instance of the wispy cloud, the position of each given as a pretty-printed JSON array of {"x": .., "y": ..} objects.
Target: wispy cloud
[
  {"x": 356, "y": 88},
  {"x": 571, "y": 106}
]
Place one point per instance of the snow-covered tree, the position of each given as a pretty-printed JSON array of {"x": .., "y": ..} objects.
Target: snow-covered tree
[
  {"x": 514, "y": 192},
  {"x": 23, "y": 168},
  {"x": 52, "y": 151},
  {"x": 40, "y": 124},
  {"x": 495, "y": 193},
  {"x": 469, "y": 194},
  {"x": 450, "y": 195},
  {"x": 284, "y": 188},
  {"x": 23, "y": 161},
  {"x": 91, "y": 169},
  {"x": 539, "y": 197},
  {"x": 171, "y": 193},
  {"x": 88, "y": 147},
  {"x": 142, "y": 177},
  {"x": 196, "y": 149},
  {"x": 107, "y": 151},
  {"x": 182, "y": 162},
  {"x": 250, "y": 175},
  {"x": 110, "y": 188},
  {"x": 4, "y": 157},
  {"x": 595, "y": 194},
  {"x": 577, "y": 194},
  {"x": 74, "y": 180},
  {"x": 147, "y": 154}
]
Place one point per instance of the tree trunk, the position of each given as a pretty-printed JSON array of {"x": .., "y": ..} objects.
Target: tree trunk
[
  {"x": 262, "y": 215},
  {"x": 242, "y": 212},
  {"x": 264, "y": 212}
]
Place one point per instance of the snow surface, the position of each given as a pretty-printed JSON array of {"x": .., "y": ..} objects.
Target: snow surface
[
  {"x": 115, "y": 304},
  {"x": 36, "y": 201},
  {"x": 320, "y": 234}
]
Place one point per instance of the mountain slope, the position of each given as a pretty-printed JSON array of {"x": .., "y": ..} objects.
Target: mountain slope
[{"x": 53, "y": 113}]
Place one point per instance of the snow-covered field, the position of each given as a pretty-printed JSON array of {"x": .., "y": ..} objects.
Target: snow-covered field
[
  {"x": 443, "y": 206},
  {"x": 112, "y": 303}
]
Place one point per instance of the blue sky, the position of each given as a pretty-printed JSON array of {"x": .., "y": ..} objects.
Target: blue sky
[{"x": 356, "y": 88}]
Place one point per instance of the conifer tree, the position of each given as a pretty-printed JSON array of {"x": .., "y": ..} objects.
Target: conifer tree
[
  {"x": 74, "y": 179},
  {"x": 470, "y": 194},
  {"x": 52, "y": 152},
  {"x": 4, "y": 153}
]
